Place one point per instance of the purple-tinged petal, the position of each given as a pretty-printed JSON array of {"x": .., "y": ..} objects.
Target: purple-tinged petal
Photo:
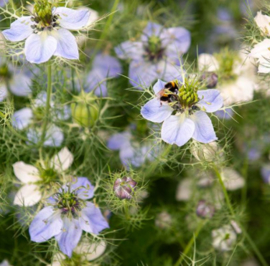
[
  {"x": 45, "y": 225},
  {"x": 177, "y": 129},
  {"x": 130, "y": 50},
  {"x": 265, "y": 172},
  {"x": 117, "y": 141},
  {"x": 210, "y": 100},
  {"x": 72, "y": 19},
  {"x": 225, "y": 114},
  {"x": 39, "y": 48},
  {"x": 92, "y": 220},
  {"x": 150, "y": 30},
  {"x": 70, "y": 236},
  {"x": 19, "y": 30},
  {"x": 83, "y": 187},
  {"x": 22, "y": 118},
  {"x": 204, "y": 131},
  {"x": 130, "y": 155},
  {"x": 156, "y": 111},
  {"x": 108, "y": 65},
  {"x": 169, "y": 71},
  {"x": 66, "y": 44},
  {"x": 159, "y": 85}
]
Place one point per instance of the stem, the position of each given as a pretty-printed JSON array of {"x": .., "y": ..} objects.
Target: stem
[
  {"x": 126, "y": 211},
  {"x": 190, "y": 243},
  {"x": 48, "y": 101},
  {"x": 229, "y": 205}
]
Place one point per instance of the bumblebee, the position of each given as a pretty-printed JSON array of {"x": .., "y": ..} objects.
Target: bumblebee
[{"x": 169, "y": 93}]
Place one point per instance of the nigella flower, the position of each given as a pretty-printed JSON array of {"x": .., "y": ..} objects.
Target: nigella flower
[
  {"x": 124, "y": 187},
  {"x": 132, "y": 153},
  {"x": 34, "y": 180},
  {"x": 67, "y": 214},
  {"x": 47, "y": 31},
  {"x": 104, "y": 66},
  {"x": 182, "y": 111},
  {"x": 5, "y": 262},
  {"x": 156, "y": 55},
  {"x": 3, "y": 2}
]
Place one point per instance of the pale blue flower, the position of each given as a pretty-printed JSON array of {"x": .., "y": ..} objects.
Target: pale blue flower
[
  {"x": 265, "y": 172},
  {"x": 104, "y": 66},
  {"x": 47, "y": 38},
  {"x": 156, "y": 55},
  {"x": 131, "y": 152},
  {"x": 66, "y": 215},
  {"x": 183, "y": 120},
  {"x": 3, "y": 2}
]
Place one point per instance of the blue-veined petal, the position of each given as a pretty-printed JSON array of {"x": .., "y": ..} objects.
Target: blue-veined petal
[
  {"x": 210, "y": 100},
  {"x": 150, "y": 30},
  {"x": 169, "y": 70},
  {"x": 72, "y": 19},
  {"x": 177, "y": 129},
  {"x": 130, "y": 50},
  {"x": 19, "y": 30},
  {"x": 39, "y": 48},
  {"x": 92, "y": 220},
  {"x": 45, "y": 225},
  {"x": 22, "y": 118},
  {"x": 156, "y": 111},
  {"x": 70, "y": 236},
  {"x": 204, "y": 131}
]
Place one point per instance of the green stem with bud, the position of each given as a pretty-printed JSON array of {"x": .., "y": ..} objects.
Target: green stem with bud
[
  {"x": 229, "y": 205},
  {"x": 200, "y": 226},
  {"x": 48, "y": 101}
]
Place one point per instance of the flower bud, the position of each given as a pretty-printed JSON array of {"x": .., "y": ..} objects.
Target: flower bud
[
  {"x": 210, "y": 79},
  {"x": 205, "y": 210},
  {"x": 124, "y": 187}
]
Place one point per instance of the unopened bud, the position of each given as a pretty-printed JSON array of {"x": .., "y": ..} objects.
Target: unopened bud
[
  {"x": 205, "y": 210},
  {"x": 210, "y": 79},
  {"x": 124, "y": 187}
]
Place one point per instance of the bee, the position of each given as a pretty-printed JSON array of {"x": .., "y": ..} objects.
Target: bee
[{"x": 169, "y": 92}]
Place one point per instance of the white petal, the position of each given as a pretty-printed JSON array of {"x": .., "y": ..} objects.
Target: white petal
[
  {"x": 263, "y": 22},
  {"x": 232, "y": 179},
  {"x": 264, "y": 66},
  {"x": 207, "y": 62},
  {"x": 66, "y": 44},
  {"x": 22, "y": 118},
  {"x": 204, "y": 131},
  {"x": 39, "y": 48},
  {"x": 26, "y": 172},
  {"x": 72, "y": 19},
  {"x": 261, "y": 50},
  {"x": 184, "y": 190},
  {"x": 19, "y": 29},
  {"x": 177, "y": 129},
  {"x": 63, "y": 160},
  {"x": 28, "y": 195}
]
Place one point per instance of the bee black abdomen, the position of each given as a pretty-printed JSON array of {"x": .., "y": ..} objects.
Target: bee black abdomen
[{"x": 171, "y": 86}]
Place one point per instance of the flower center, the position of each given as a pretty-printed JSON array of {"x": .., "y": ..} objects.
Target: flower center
[
  {"x": 154, "y": 50},
  {"x": 43, "y": 17},
  {"x": 48, "y": 175}
]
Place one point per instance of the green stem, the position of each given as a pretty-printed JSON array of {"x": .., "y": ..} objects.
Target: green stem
[
  {"x": 229, "y": 205},
  {"x": 48, "y": 102},
  {"x": 190, "y": 243},
  {"x": 126, "y": 211}
]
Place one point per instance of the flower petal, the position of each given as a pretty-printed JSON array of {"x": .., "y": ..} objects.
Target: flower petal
[
  {"x": 204, "y": 131},
  {"x": 92, "y": 220},
  {"x": 19, "y": 30},
  {"x": 130, "y": 50},
  {"x": 66, "y": 44},
  {"x": 118, "y": 140},
  {"x": 54, "y": 136},
  {"x": 62, "y": 160},
  {"x": 96, "y": 81},
  {"x": 159, "y": 85},
  {"x": 169, "y": 71},
  {"x": 39, "y": 48},
  {"x": 232, "y": 179},
  {"x": 261, "y": 50},
  {"x": 20, "y": 85},
  {"x": 207, "y": 62},
  {"x": 22, "y": 118},
  {"x": 177, "y": 129},
  {"x": 26, "y": 172},
  {"x": 156, "y": 111},
  {"x": 263, "y": 22},
  {"x": 45, "y": 225},
  {"x": 83, "y": 187},
  {"x": 70, "y": 236},
  {"x": 28, "y": 195},
  {"x": 3, "y": 92},
  {"x": 72, "y": 19},
  {"x": 210, "y": 100},
  {"x": 150, "y": 30}
]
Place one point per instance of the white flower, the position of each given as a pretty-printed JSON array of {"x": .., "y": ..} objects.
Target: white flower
[
  {"x": 87, "y": 251},
  {"x": 32, "y": 178},
  {"x": 224, "y": 238},
  {"x": 263, "y": 22},
  {"x": 232, "y": 179},
  {"x": 205, "y": 152},
  {"x": 47, "y": 37}
]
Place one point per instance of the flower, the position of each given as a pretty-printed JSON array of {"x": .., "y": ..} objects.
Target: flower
[
  {"x": 232, "y": 179},
  {"x": 132, "y": 153},
  {"x": 183, "y": 116},
  {"x": 156, "y": 55},
  {"x": 205, "y": 209},
  {"x": 263, "y": 22},
  {"x": 124, "y": 187},
  {"x": 265, "y": 172},
  {"x": 66, "y": 215},
  {"x": 85, "y": 251},
  {"x": 224, "y": 238},
  {"x": 3, "y": 2},
  {"x": 34, "y": 179},
  {"x": 104, "y": 66},
  {"x": 5, "y": 262},
  {"x": 47, "y": 32},
  {"x": 206, "y": 152},
  {"x": 163, "y": 220}
]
